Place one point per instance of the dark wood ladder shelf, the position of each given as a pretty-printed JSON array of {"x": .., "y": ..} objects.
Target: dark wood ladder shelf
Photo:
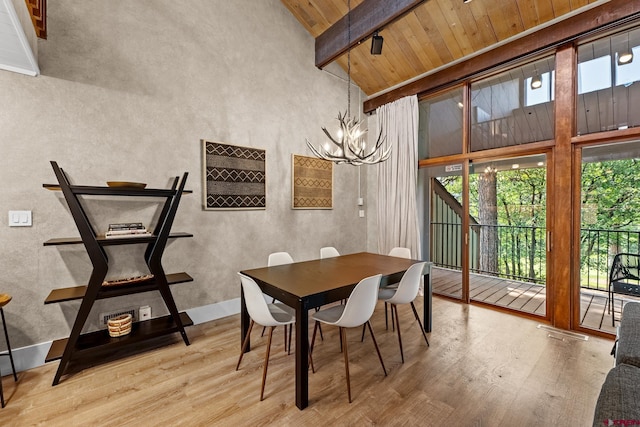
[
  {"x": 112, "y": 242},
  {"x": 114, "y": 191},
  {"x": 81, "y": 348},
  {"x": 100, "y": 341},
  {"x": 78, "y": 292}
]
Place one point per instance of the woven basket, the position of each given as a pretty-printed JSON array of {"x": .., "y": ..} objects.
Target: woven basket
[{"x": 120, "y": 325}]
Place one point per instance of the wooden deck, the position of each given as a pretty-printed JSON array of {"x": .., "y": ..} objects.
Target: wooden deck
[{"x": 527, "y": 297}]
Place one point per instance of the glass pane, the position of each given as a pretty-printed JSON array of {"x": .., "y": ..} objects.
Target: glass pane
[
  {"x": 608, "y": 97},
  {"x": 594, "y": 74},
  {"x": 515, "y": 107},
  {"x": 610, "y": 224},
  {"x": 444, "y": 202},
  {"x": 507, "y": 233},
  {"x": 440, "y": 126}
]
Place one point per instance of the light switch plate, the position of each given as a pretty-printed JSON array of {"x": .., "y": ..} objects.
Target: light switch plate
[{"x": 19, "y": 218}]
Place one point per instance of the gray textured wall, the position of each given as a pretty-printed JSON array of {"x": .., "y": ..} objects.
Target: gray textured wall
[{"x": 127, "y": 91}]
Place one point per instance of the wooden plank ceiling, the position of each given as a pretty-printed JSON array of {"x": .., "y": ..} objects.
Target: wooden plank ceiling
[{"x": 435, "y": 33}]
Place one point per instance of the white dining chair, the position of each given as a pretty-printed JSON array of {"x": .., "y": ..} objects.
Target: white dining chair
[
  {"x": 328, "y": 252},
  {"x": 279, "y": 258},
  {"x": 406, "y": 293},
  {"x": 267, "y": 315},
  {"x": 274, "y": 259},
  {"x": 356, "y": 312},
  {"x": 399, "y": 252}
]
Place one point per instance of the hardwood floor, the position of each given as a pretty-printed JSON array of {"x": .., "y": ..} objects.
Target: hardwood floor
[
  {"x": 483, "y": 368},
  {"x": 527, "y": 297}
]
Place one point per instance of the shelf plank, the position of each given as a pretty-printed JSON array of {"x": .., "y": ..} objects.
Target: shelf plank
[
  {"x": 116, "y": 191},
  {"x": 111, "y": 242},
  {"x": 100, "y": 341},
  {"x": 78, "y": 292}
]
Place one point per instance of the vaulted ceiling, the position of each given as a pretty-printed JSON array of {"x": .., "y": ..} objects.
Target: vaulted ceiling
[{"x": 432, "y": 35}]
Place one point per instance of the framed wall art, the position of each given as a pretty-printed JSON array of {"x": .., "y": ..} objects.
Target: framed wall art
[
  {"x": 233, "y": 177},
  {"x": 312, "y": 183}
]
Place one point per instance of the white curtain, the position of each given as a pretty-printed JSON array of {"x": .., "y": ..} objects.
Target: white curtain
[{"x": 397, "y": 177}]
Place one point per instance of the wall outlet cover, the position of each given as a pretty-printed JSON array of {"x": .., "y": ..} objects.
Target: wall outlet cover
[{"x": 144, "y": 313}]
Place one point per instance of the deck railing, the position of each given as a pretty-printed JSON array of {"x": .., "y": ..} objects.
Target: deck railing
[
  {"x": 521, "y": 251},
  {"x": 597, "y": 249}
]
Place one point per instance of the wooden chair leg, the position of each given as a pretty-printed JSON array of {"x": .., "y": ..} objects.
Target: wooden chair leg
[
  {"x": 285, "y": 338},
  {"x": 313, "y": 369},
  {"x": 1, "y": 393},
  {"x": 415, "y": 313},
  {"x": 266, "y": 362},
  {"x": 375, "y": 343},
  {"x": 393, "y": 320},
  {"x": 320, "y": 326},
  {"x": 313, "y": 337},
  {"x": 6, "y": 336},
  {"x": 386, "y": 319},
  {"x": 244, "y": 344},
  {"x": 343, "y": 340},
  {"x": 394, "y": 308}
]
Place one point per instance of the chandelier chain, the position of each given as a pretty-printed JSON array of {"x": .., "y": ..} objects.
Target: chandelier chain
[{"x": 349, "y": 59}]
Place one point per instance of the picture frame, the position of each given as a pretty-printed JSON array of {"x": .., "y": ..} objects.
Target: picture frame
[
  {"x": 311, "y": 183},
  {"x": 233, "y": 177}
]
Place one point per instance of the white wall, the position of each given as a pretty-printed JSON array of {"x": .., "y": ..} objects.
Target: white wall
[{"x": 127, "y": 91}]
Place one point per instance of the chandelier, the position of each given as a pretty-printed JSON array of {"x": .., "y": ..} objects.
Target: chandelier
[{"x": 350, "y": 145}]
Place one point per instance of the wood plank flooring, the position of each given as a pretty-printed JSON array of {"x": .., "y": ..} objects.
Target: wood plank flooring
[
  {"x": 484, "y": 368},
  {"x": 527, "y": 297}
]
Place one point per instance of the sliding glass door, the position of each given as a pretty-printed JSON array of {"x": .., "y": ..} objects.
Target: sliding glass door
[
  {"x": 507, "y": 233},
  {"x": 609, "y": 225}
]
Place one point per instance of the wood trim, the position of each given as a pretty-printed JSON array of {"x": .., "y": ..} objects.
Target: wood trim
[
  {"x": 366, "y": 18},
  {"x": 38, "y": 11},
  {"x": 609, "y": 136},
  {"x": 551, "y": 209},
  {"x": 465, "y": 227},
  {"x": 495, "y": 153},
  {"x": 613, "y": 13},
  {"x": 576, "y": 204},
  {"x": 561, "y": 225}
]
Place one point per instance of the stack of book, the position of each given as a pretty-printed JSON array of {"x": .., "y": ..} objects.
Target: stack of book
[{"x": 128, "y": 229}]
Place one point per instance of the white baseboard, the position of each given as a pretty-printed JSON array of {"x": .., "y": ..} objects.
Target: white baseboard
[
  {"x": 33, "y": 356},
  {"x": 215, "y": 311}
]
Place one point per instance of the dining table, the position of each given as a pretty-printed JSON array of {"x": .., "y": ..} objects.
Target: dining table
[{"x": 311, "y": 284}]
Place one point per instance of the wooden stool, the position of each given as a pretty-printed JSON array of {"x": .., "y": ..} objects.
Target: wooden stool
[{"x": 4, "y": 300}]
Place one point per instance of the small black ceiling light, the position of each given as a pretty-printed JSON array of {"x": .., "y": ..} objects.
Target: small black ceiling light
[
  {"x": 376, "y": 44},
  {"x": 536, "y": 82},
  {"x": 625, "y": 57}
]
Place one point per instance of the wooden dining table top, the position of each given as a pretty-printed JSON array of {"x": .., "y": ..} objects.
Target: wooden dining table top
[{"x": 303, "y": 279}]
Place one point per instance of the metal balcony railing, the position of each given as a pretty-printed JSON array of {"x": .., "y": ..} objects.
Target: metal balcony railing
[{"x": 520, "y": 251}]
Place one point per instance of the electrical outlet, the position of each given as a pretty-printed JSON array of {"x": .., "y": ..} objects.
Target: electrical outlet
[{"x": 145, "y": 313}]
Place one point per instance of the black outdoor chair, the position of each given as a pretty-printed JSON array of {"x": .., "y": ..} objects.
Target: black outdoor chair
[{"x": 624, "y": 279}]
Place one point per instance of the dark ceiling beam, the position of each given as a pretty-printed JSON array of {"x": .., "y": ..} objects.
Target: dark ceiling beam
[
  {"x": 368, "y": 17},
  {"x": 610, "y": 14}
]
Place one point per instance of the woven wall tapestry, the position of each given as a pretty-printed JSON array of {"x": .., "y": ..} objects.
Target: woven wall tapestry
[
  {"x": 234, "y": 177},
  {"x": 312, "y": 183}
]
